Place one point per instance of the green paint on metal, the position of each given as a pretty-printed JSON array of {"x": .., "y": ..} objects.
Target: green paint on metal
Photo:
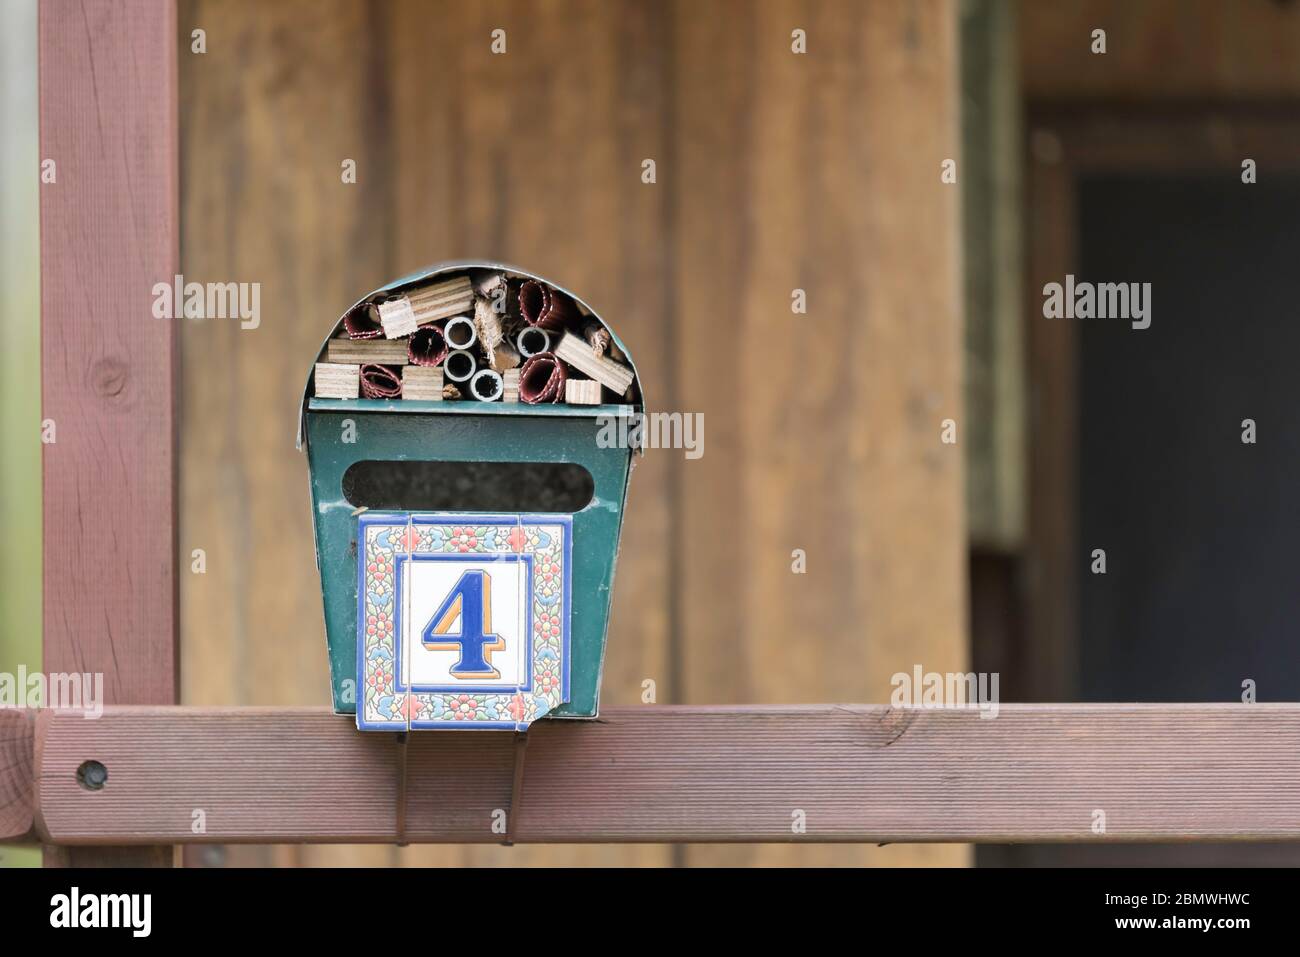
[{"x": 405, "y": 436}]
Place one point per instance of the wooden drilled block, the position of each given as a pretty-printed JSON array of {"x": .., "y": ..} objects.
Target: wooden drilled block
[
  {"x": 388, "y": 352},
  {"x": 397, "y": 317},
  {"x": 615, "y": 377},
  {"x": 337, "y": 380},
  {"x": 454, "y": 297},
  {"x": 582, "y": 392},
  {"x": 422, "y": 382},
  {"x": 511, "y": 379}
]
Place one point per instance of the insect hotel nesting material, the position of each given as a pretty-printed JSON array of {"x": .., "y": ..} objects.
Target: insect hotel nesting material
[{"x": 467, "y": 503}]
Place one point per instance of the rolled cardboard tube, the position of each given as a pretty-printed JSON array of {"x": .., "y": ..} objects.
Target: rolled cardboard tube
[
  {"x": 533, "y": 341},
  {"x": 542, "y": 379},
  {"x": 542, "y": 306},
  {"x": 459, "y": 332},
  {"x": 363, "y": 322},
  {"x": 487, "y": 386},
  {"x": 379, "y": 382},
  {"x": 459, "y": 366},
  {"x": 427, "y": 346}
]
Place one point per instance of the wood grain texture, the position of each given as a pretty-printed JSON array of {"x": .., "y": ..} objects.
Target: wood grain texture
[
  {"x": 17, "y": 772},
  {"x": 773, "y": 172},
  {"x": 818, "y": 172},
  {"x": 1159, "y": 49},
  {"x": 109, "y": 232},
  {"x": 534, "y": 157},
  {"x": 858, "y": 773},
  {"x": 286, "y": 92}
]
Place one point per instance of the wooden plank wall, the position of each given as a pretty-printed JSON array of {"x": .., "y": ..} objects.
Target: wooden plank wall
[
  {"x": 1159, "y": 50},
  {"x": 774, "y": 172}
]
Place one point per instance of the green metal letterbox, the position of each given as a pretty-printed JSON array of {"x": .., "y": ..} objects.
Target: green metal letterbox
[{"x": 372, "y": 437}]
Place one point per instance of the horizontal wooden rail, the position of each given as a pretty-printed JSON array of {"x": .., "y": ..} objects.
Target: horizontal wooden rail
[{"x": 654, "y": 774}]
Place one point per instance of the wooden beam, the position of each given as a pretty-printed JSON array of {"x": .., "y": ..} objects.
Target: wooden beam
[
  {"x": 858, "y": 773},
  {"x": 1158, "y": 51},
  {"x": 109, "y": 232}
]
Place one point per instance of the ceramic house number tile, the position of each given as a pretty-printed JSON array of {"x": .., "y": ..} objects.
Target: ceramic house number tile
[{"x": 462, "y": 620}]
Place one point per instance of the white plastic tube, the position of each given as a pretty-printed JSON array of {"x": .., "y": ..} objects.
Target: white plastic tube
[
  {"x": 459, "y": 366},
  {"x": 533, "y": 341},
  {"x": 487, "y": 385},
  {"x": 459, "y": 332}
]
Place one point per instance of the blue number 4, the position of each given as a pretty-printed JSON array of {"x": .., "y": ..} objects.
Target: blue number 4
[{"x": 471, "y": 601}]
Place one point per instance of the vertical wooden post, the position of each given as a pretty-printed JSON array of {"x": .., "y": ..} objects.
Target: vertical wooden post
[{"x": 109, "y": 232}]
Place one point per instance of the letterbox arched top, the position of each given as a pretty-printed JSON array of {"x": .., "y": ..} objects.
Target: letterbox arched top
[{"x": 471, "y": 266}]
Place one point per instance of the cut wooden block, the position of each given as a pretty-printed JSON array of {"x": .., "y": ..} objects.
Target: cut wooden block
[
  {"x": 397, "y": 317},
  {"x": 337, "y": 380},
  {"x": 511, "y": 379},
  {"x": 422, "y": 382},
  {"x": 442, "y": 300},
  {"x": 388, "y": 352},
  {"x": 577, "y": 353},
  {"x": 434, "y": 312},
  {"x": 582, "y": 392},
  {"x": 448, "y": 289}
]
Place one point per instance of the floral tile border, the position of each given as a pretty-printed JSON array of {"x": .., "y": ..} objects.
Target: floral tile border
[{"x": 385, "y": 540}]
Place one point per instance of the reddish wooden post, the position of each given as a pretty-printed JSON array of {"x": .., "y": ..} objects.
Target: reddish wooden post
[{"x": 109, "y": 232}]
